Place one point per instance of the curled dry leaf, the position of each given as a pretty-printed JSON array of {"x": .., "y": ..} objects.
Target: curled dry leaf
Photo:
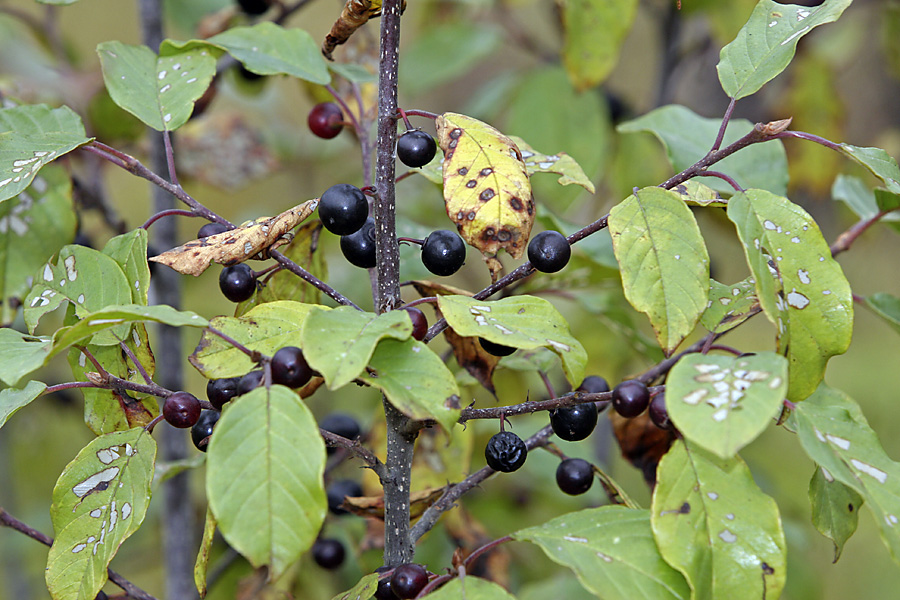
[
  {"x": 373, "y": 506},
  {"x": 774, "y": 127},
  {"x": 354, "y": 15},
  {"x": 237, "y": 245}
]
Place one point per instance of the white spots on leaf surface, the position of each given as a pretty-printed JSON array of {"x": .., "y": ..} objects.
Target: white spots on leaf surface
[
  {"x": 572, "y": 538},
  {"x": 803, "y": 275},
  {"x": 868, "y": 469},
  {"x": 891, "y": 520},
  {"x": 828, "y": 476},
  {"x": 797, "y": 300},
  {"x": 80, "y": 298},
  {"x": 802, "y": 13},
  {"x": 559, "y": 346},
  {"x": 604, "y": 557},
  {"x": 48, "y": 273},
  {"x": 71, "y": 272},
  {"x": 838, "y": 441},
  {"x": 795, "y": 35},
  {"x": 727, "y": 536},
  {"x": 126, "y": 510},
  {"x": 712, "y": 495},
  {"x": 97, "y": 479}
]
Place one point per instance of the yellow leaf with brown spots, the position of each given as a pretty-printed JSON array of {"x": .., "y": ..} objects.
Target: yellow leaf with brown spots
[
  {"x": 486, "y": 188},
  {"x": 237, "y": 245}
]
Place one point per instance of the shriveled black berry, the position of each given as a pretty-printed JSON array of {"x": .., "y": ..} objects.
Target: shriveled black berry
[
  {"x": 443, "y": 252},
  {"x": 574, "y": 476},
  {"x": 495, "y": 349},
  {"x": 415, "y": 148},
  {"x": 203, "y": 428},
  {"x": 220, "y": 391},
  {"x": 237, "y": 282},
  {"x": 290, "y": 368},
  {"x": 249, "y": 382},
  {"x": 659, "y": 414},
  {"x": 574, "y": 423},
  {"x": 181, "y": 410},
  {"x": 211, "y": 229},
  {"x": 339, "y": 490},
  {"x": 549, "y": 251},
  {"x": 420, "y": 323},
  {"x": 325, "y": 120},
  {"x": 505, "y": 452},
  {"x": 341, "y": 424},
  {"x": 254, "y": 7},
  {"x": 328, "y": 553},
  {"x": 593, "y": 384},
  {"x": 359, "y": 248},
  {"x": 343, "y": 209},
  {"x": 408, "y": 580},
  {"x": 630, "y": 398}
]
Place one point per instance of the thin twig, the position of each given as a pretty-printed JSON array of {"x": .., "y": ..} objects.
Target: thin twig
[
  {"x": 725, "y": 119},
  {"x": 255, "y": 355},
  {"x": 136, "y": 362},
  {"x": 311, "y": 279},
  {"x": 172, "y": 212},
  {"x": 356, "y": 449}
]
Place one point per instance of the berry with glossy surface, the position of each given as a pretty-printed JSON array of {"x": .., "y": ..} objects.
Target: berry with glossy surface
[
  {"x": 659, "y": 414},
  {"x": 181, "y": 410},
  {"x": 254, "y": 7},
  {"x": 419, "y": 322},
  {"x": 549, "y": 251},
  {"x": 220, "y": 391},
  {"x": 249, "y": 382},
  {"x": 574, "y": 476},
  {"x": 505, "y": 452},
  {"x": 384, "y": 591},
  {"x": 495, "y": 349},
  {"x": 574, "y": 423},
  {"x": 328, "y": 553},
  {"x": 211, "y": 229},
  {"x": 359, "y": 248},
  {"x": 340, "y": 424},
  {"x": 203, "y": 428},
  {"x": 325, "y": 120},
  {"x": 443, "y": 252},
  {"x": 237, "y": 282},
  {"x": 343, "y": 209},
  {"x": 339, "y": 490},
  {"x": 415, "y": 148},
  {"x": 630, "y": 398},
  {"x": 593, "y": 384},
  {"x": 290, "y": 368},
  {"x": 408, "y": 580}
]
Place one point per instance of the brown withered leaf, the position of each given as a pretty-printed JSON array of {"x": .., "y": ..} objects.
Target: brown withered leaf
[
  {"x": 354, "y": 15},
  {"x": 237, "y": 245},
  {"x": 642, "y": 442},
  {"x": 373, "y": 506}
]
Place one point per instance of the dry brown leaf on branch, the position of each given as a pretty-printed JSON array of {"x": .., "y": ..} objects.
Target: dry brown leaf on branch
[
  {"x": 354, "y": 15},
  {"x": 237, "y": 245}
]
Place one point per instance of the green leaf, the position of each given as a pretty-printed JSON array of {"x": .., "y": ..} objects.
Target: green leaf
[
  {"x": 202, "y": 562},
  {"x": 713, "y": 524},
  {"x": 415, "y": 380},
  {"x": 363, "y": 590},
  {"x": 31, "y": 137},
  {"x": 20, "y": 354},
  {"x": 284, "y": 285},
  {"x": 569, "y": 171},
  {"x": 353, "y": 72},
  {"x": 853, "y": 192},
  {"x": 158, "y": 90},
  {"x": 766, "y": 43},
  {"x": 588, "y": 57},
  {"x": 98, "y": 502},
  {"x": 800, "y": 287},
  {"x": 722, "y": 403},
  {"x": 471, "y": 588},
  {"x": 33, "y": 226},
  {"x": 612, "y": 552},
  {"x": 129, "y": 250},
  {"x": 663, "y": 262},
  {"x": 835, "y": 509},
  {"x": 338, "y": 343},
  {"x": 835, "y": 434},
  {"x": 887, "y": 307},
  {"x": 694, "y": 193},
  {"x": 88, "y": 279},
  {"x": 729, "y": 305},
  {"x": 265, "y": 328},
  {"x": 264, "y": 477},
  {"x": 520, "y": 322},
  {"x": 879, "y": 162},
  {"x": 687, "y": 137},
  {"x": 12, "y": 399},
  {"x": 269, "y": 49}
]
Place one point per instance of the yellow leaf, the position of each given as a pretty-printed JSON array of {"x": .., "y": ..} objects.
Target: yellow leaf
[{"x": 486, "y": 188}]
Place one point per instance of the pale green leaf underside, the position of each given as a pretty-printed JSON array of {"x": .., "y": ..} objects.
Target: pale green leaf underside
[
  {"x": 20, "y": 354},
  {"x": 12, "y": 399},
  {"x": 835, "y": 509},
  {"x": 471, "y": 588},
  {"x": 879, "y": 162},
  {"x": 887, "y": 307}
]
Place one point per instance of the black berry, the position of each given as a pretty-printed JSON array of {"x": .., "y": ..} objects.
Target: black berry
[
  {"x": 339, "y": 490},
  {"x": 593, "y": 384},
  {"x": 630, "y": 398},
  {"x": 341, "y": 424},
  {"x": 237, "y": 282},
  {"x": 574, "y": 423},
  {"x": 249, "y": 382},
  {"x": 659, "y": 414},
  {"x": 505, "y": 452},
  {"x": 181, "y": 410},
  {"x": 574, "y": 476},
  {"x": 211, "y": 229},
  {"x": 420, "y": 323},
  {"x": 443, "y": 252},
  {"x": 408, "y": 580},
  {"x": 220, "y": 391},
  {"x": 416, "y": 148},
  {"x": 325, "y": 120},
  {"x": 495, "y": 349},
  {"x": 384, "y": 591},
  {"x": 101, "y": 595},
  {"x": 328, "y": 553},
  {"x": 290, "y": 368},
  {"x": 203, "y": 428},
  {"x": 343, "y": 209},
  {"x": 549, "y": 251},
  {"x": 254, "y": 7},
  {"x": 359, "y": 248}
]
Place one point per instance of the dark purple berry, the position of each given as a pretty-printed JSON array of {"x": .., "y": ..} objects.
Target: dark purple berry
[
  {"x": 593, "y": 384},
  {"x": 384, "y": 591},
  {"x": 505, "y": 452},
  {"x": 574, "y": 476},
  {"x": 408, "y": 580},
  {"x": 443, "y": 252},
  {"x": 290, "y": 368},
  {"x": 237, "y": 282},
  {"x": 343, "y": 209},
  {"x": 181, "y": 410},
  {"x": 574, "y": 423},
  {"x": 325, "y": 120},
  {"x": 220, "y": 391},
  {"x": 340, "y": 424},
  {"x": 359, "y": 248},
  {"x": 339, "y": 490},
  {"x": 549, "y": 251},
  {"x": 203, "y": 428},
  {"x": 328, "y": 553},
  {"x": 254, "y": 7},
  {"x": 495, "y": 349},
  {"x": 415, "y": 148},
  {"x": 249, "y": 382},
  {"x": 630, "y": 398},
  {"x": 659, "y": 414},
  {"x": 211, "y": 229},
  {"x": 420, "y": 323}
]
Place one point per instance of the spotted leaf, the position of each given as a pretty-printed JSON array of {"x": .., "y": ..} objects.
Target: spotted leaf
[
  {"x": 729, "y": 305},
  {"x": 835, "y": 508},
  {"x": 130, "y": 251},
  {"x": 486, "y": 188},
  {"x": 569, "y": 171},
  {"x": 713, "y": 524},
  {"x": 98, "y": 502},
  {"x": 802, "y": 289},
  {"x": 835, "y": 434},
  {"x": 722, "y": 403},
  {"x": 694, "y": 193}
]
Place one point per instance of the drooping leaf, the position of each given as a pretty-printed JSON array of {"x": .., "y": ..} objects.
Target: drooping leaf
[
  {"x": 486, "y": 188},
  {"x": 588, "y": 57},
  {"x": 471, "y": 588},
  {"x": 20, "y": 354},
  {"x": 269, "y": 49},
  {"x": 713, "y": 524},
  {"x": 363, "y": 590},
  {"x": 687, "y": 137},
  {"x": 202, "y": 562},
  {"x": 835, "y": 509},
  {"x": 722, "y": 403},
  {"x": 158, "y": 90},
  {"x": 12, "y": 399},
  {"x": 264, "y": 477},
  {"x": 694, "y": 193},
  {"x": 130, "y": 251},
  {"x": 612, "y": 552},
  {"x": 799, "y": 285},
  {"x": 524, "y": 322},
  {"x": 98, "y": 502},
  {"x": 766, "y": 43},
  {"x": 569, "y": 171},
  {"x": 729, "y": 305},
  {"x": 887, "y": 307},
  {"x": 879, "y": 162},
  {"x": 31, "y": 137},
  {"x": 663, "y": 262}
]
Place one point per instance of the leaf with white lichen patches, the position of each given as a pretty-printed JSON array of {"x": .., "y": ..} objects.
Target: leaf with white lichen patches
[
  {"x": 569, "y": 171},
  {"x": 729, "y": 305}
]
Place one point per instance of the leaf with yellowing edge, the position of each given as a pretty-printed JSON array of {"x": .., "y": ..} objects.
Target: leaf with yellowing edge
[
  {"x": 236, "y": 245},
  {"x": 486, "y": 188}
]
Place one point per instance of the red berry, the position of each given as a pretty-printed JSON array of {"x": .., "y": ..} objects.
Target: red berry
[
  {"x": 181, "y": 410},
  {"x": 326, "y": 120}
]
